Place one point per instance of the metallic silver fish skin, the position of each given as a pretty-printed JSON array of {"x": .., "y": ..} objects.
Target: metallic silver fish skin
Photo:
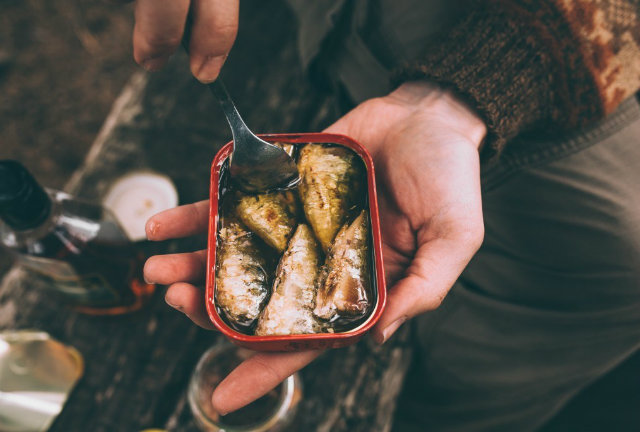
[
  {"x": 290, "y": 308},
  {"x": 344, "y": 281},
  {"x": 241, "y": 279}
]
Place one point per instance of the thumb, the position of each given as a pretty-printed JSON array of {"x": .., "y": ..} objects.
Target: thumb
[
  {"x": 256, "y": 376},
  {"x": 342, "y": 126},
  {"x": 433, "y": 271},
  {"x": 365, "y": 121},
  {"x": 361, "y": 125}
]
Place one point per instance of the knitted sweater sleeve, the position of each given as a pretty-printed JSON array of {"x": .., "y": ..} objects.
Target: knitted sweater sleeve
[{"x": 525, "y": 64}]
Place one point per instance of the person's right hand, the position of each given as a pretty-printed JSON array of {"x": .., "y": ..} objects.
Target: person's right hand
[{"x": 160, "y": 26}]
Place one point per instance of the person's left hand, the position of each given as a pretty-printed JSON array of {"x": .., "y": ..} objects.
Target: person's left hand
[
  {"x": 424, "y": 143},
  {"x": 184, "y": 272}
]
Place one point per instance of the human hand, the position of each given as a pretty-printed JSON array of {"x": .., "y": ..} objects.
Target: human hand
[
  {"x": 425, "y": 149},
  {"x": 160, "y": 26},
  {"x": 425, "y": 146},
  {"x": 183, "y": 272}
]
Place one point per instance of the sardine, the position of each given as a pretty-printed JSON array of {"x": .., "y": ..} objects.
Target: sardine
[
  {"x": 291, "y": 200},
  {"x": 344, "y": 281},
  {"x": 290, "y": 308},
  {"x": 332, "y": 180},
  {"x": 271, "y": 216},
  {"x": 241, "y": 279}
]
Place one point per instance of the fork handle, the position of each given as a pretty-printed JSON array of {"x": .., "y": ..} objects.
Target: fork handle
[
  {"x": 219, "y": 90},
  {"x": 230, "y": 112}
]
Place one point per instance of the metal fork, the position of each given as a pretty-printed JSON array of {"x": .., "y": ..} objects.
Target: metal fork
[{"x": 256, "y": 165}]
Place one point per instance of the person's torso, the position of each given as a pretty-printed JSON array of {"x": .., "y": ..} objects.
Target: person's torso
[{"x": 357, "y": 43}]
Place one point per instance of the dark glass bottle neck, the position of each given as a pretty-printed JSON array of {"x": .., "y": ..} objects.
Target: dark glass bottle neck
[{"x": 24, "y": 204}]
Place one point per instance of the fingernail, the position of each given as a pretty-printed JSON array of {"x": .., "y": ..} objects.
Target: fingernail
[
  {"x": 155, "y": 63},
  {"x": 144, "y": 272},
  {"x": 391, "y": 328},
  {"x": 150, "y": 229},
  {"x": 210, "y": 68}
]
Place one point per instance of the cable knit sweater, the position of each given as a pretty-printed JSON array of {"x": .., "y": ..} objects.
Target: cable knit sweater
[{"x": 531, "y": 64}]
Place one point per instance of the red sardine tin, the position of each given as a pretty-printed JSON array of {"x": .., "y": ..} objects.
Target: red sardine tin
[{"x": 297, "y": 342}]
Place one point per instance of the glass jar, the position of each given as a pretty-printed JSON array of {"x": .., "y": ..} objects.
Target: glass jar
[{"x": 272, "y": 412}]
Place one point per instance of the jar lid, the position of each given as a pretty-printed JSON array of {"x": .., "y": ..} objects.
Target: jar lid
[{"x": 137, "y": 196}]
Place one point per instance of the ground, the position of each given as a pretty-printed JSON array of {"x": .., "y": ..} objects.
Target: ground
[{"x": 62, "y": 64}]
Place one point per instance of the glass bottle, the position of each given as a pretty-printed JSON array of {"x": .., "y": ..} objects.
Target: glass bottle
[{"x": 75, "y": 248}]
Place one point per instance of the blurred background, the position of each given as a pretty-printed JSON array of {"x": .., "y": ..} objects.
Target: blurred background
[{"x": 62, "y": 64}]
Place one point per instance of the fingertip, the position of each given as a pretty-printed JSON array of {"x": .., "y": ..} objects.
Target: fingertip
[
  {"x": 214, "y": 29},
  {"x": 151, "y": 228},
  {"x": 158, "y": 30},
  {"x": 189, "y": 300},
  {"x": 381, "y": 335},
  {"x": 256, "y": 376},
  {"x": 147, "y": 270},
  {"x": 408, "y": 298},
  {"x": 150, "y": 59},
  {"x": 154, "y": 64},
  {"x": 181, "y": 221},
  {"x": 172, "y": 298},
  {"x": 377, "y": 336},
  {"x": 207, "y": 70},
  {"x": 218, "y": 402}
]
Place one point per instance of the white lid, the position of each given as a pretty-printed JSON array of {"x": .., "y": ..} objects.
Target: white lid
[{"x": 135, "y": 197}]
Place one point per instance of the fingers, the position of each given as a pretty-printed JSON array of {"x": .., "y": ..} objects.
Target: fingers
[
  {"x": 256, "y": 376},
  {"x": 342, "y": 126},
  {"x": 178, "y": 222},
  {"x": 189, "y": 300},
  {"x": 171, "y": 268},
  {"x": 433, "y": 271},
  {"x": 158, "y": 31},
  {"x": 358, "y": 125},
  {"x": 215, "y": 25},
  {"x": 160, "y": 25}
]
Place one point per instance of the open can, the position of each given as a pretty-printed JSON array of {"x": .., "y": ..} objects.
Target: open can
[{"x": 297, "y": 342}]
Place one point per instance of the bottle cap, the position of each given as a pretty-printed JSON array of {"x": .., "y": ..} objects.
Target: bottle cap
[
  {"x": 23, "y": 202},
  {"x": 137, "y": 196}
]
